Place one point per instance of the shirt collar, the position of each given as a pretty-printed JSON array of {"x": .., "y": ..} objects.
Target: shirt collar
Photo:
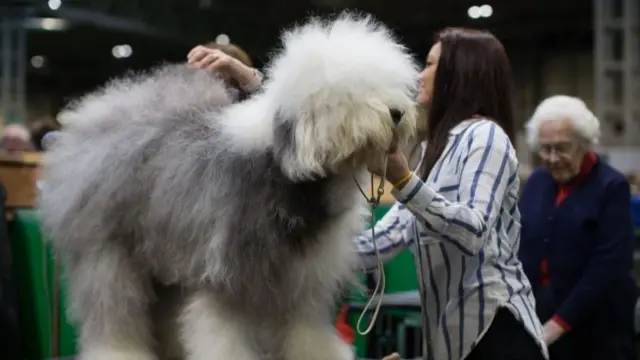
[
  {"x": 462, "y": 126},
  {"x": 588, "y": 162}
]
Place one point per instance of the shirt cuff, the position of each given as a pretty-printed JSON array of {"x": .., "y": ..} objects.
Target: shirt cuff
[
  {"x": 413, "y": 187},
  {"x": 563, "y": 324}
]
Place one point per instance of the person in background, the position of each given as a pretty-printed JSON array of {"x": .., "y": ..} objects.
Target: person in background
[
  {"x": 577, "y": 237},
  {"x": 16, "y": 138},
  {"x": 39, "y": 130}
]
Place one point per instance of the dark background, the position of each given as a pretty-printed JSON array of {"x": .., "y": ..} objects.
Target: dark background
[{"x": 79, "y": 58}]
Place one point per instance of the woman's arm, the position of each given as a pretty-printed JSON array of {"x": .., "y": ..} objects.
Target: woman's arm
[
  {"x": 393, "y": 233},
  {"x": 249, "y": 79},
  {"x": 489, "y": 167},
  {"x": 202, "y": 57}
]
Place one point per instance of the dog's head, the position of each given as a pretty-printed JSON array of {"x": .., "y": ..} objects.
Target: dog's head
[{"x": 342, "y": 91}]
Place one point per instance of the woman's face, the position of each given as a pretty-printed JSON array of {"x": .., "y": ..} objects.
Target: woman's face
[
  {"x": 428, "y": 75},
  {"x": 560, "y": 149}
]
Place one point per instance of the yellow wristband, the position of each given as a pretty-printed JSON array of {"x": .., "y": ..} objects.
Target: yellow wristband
[{"x": 403, "y": 180}]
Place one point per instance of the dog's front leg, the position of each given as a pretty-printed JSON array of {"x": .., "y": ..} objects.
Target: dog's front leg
[{"x": 208, "y": 332}]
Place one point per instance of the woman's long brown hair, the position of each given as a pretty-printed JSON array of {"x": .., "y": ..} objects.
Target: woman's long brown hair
[{"x": 473, "y": 78}]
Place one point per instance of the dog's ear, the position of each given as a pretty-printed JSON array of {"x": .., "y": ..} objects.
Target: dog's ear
[
  {"x": 319, "y": 142},
  {"x": 295, "y": 150}
]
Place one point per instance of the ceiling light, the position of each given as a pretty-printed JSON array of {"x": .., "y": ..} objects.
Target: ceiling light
[
  {"x": 477, "y": 12},
  {"x": 54, "y": 4},
  {"x": 222, "y": 39},
  {"x": 486, "y": 11},
  {"x": 53, "y": 24},
  {"x": 474, "y": 12},
  {"x": 121, "y": 51},
  {"x": 37, "y": 61}
]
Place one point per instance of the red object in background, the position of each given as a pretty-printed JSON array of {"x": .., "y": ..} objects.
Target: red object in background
[{"x": 344, "y": 330}]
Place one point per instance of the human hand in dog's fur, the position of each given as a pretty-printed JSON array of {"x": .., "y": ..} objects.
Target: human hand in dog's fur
[
  {"x": 397, "y": 166},
  {"x": 202, "y": 57}
]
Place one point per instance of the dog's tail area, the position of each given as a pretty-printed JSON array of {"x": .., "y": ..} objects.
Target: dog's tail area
[{"x": 109, "y": 135}]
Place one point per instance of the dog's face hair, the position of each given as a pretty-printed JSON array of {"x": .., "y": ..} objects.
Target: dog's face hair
[{"x": 371, "y": 98}]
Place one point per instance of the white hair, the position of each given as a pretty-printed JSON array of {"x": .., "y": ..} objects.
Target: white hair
[{"x": 559, "y": 107}]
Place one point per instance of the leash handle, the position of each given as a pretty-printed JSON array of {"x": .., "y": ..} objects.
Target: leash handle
[{"x": 374, "y": 201}]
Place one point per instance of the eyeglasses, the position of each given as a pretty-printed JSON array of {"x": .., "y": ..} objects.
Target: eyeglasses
[{"x": 559, "y": 149}]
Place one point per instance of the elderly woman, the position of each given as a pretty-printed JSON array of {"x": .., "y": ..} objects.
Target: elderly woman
[{"x": 577, "y": 237}]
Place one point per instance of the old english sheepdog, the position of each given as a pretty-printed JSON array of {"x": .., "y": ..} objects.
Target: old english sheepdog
[{"x": 249, "y": 208}]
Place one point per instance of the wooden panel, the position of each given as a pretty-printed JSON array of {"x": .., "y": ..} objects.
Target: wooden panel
[{"x": 18, "y": 175}]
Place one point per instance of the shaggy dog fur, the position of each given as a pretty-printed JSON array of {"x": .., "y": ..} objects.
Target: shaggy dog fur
[{"x": 249, "y": 208}]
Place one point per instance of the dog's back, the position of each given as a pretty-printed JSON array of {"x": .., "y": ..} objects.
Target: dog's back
[{"x": 110, "y": 135}]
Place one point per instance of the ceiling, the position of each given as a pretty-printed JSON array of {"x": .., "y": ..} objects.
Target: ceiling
[{"x": 80, "y": 57}]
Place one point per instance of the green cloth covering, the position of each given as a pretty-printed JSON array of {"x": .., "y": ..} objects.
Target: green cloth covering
[{"x": 34, "y": 270}]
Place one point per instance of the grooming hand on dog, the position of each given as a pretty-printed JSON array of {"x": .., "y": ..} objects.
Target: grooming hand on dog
[{"x": 206, "y": 58}]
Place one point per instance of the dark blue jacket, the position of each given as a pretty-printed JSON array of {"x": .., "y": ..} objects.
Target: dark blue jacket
[{"x": 588, "y": 241}]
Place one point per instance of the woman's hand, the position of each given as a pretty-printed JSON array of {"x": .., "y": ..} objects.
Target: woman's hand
[
  {"x": 398, "y": 172},
  {"x": 202, "y": 57}
]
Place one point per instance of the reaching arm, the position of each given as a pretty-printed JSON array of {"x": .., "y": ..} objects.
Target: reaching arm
[
  {"x": 393, "y": 233},
  {"x": 489, "y": 167},
  {"x": 249, "y": 79}
]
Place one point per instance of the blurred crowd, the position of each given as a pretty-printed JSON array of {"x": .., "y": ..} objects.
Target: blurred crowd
[{"x": 17, "y": 138}]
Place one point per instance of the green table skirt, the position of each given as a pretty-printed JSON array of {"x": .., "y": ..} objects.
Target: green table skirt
[{"x": 34, "y": 268}]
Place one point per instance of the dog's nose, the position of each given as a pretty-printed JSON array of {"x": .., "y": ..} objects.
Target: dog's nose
[{"x": 396, "y": 115}]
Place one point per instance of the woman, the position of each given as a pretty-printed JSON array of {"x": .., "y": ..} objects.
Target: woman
[
  {"x": 577, "y": 237},
  {"x": 458, "y": 211}
]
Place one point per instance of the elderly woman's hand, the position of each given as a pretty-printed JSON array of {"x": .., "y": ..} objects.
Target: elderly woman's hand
[{"x": 394, "y": 356}]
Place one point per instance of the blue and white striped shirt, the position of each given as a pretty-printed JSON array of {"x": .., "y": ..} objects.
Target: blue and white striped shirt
[{"x": 463, "y": 226}]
